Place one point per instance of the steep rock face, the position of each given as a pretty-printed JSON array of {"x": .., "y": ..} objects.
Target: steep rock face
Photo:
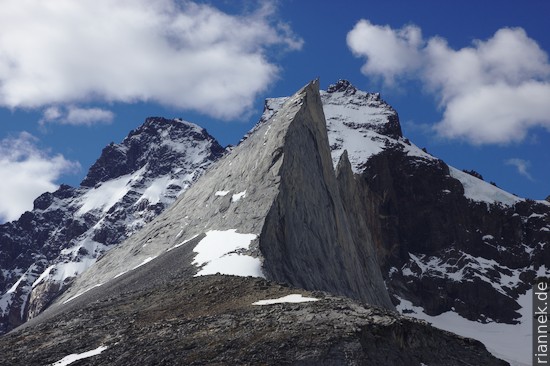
[
  {"x": 273, "y": 199},
  {"x": 448, "y": 242},
  {"x": 129, "y": 185},
  {"x": 457, "y": 251},
  {"x": 308, "y": 239},
  {"x": 213, "y": 320},
  {"x": 445, "y": 238},
  {"x": 442, "y": 250}
]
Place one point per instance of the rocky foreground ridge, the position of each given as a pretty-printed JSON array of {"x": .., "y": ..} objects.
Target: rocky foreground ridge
[{"x": 212, "y": 320}]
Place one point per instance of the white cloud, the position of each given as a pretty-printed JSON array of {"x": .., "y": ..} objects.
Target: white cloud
[
  {"x": 492, "y": 92},
  {"x": 389, "y": 52},
  {"x": 76, "y": 116},
  {"x": 521, "y": 165},
  {"x": 26, "y": 173},
  {"x": 182, "y": 54}
]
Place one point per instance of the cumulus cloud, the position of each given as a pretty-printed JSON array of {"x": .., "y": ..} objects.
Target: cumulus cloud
[
  {"x": 494, "y": 91},
  {"x": 26, "y": 173},
  {"x": 76, "y": 116},
  {"x": 390, "y": 52},
  {"x": 521, "y": 165},
  {"x": 182, "y": 54}
]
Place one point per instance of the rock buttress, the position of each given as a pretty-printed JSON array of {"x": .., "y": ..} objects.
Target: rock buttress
[{"x": 309, "y": 238}]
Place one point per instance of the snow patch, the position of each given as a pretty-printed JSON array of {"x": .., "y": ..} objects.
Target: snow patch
[
  {"x": 360, "y": 147},
  {"x": 120, "y": 274},
  {"x": 21, "y": 288},
  {"x": 471, "y": 267},
  {"x": 238, "y": 196},
  {"x": 156, "y": 190},
  {"x": 293, "y": 298},
  {"x": 106, "y": 195},
  {"x": 67, "y": 360},
  {"x": 217, "y": 252},
  {"x": 233, "y": 264},
  {"x": 74, "y": 263},
  {"x": 145, "y": 261},
  {"x": 481, "y": 191},
  {"x": 16, "y": 284},
  {"x": 43, "y": 276},
  {"x": 221, "y": 193},
  {"x": 506, "y": 341}
]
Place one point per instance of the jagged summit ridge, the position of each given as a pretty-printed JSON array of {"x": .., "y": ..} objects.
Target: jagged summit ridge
[
  {"x": 354, "y": 108},
  {"x": 357, "y": 121},
  {"x": 152, "y": 145}
]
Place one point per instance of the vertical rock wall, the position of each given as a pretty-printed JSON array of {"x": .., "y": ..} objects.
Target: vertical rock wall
[{"x": 311, "y": 239}]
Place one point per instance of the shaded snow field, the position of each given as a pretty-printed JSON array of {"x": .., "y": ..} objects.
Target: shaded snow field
[
  {"x": 509, "y": 342},
  {"x": 293, "y": 298},
  {"x": 67, "y": 360},
  {"x": 479, "y": 267}
]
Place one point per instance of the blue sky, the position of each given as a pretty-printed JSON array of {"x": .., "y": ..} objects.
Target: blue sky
[{"x": 470, "y": 80}]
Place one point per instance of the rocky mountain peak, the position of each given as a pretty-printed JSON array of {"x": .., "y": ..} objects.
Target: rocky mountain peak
[
  {"x": 154, "y": 145},
  {"x": 130, "y": 184},
  {"x": 356, "y": 109},
  {"x": 342, "y": 86}
]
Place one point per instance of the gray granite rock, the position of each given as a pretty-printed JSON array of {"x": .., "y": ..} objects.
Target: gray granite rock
[{"x": 290, "y": 199}]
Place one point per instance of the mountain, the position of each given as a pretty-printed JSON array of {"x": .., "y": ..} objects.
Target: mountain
[
  {"x": 273, "y": 207},
  {"x": 454, "y": 249},
  {"x": 67, "y": 230},
  {"x": 326, "y": 194}
]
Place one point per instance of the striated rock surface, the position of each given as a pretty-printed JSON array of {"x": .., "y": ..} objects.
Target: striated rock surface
[
  {"x": 213, "y": 320},
  {"x": 272, "y": 207},
  {"x": 129, "y": 185},
  {"x": 309, "y": 238}
]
